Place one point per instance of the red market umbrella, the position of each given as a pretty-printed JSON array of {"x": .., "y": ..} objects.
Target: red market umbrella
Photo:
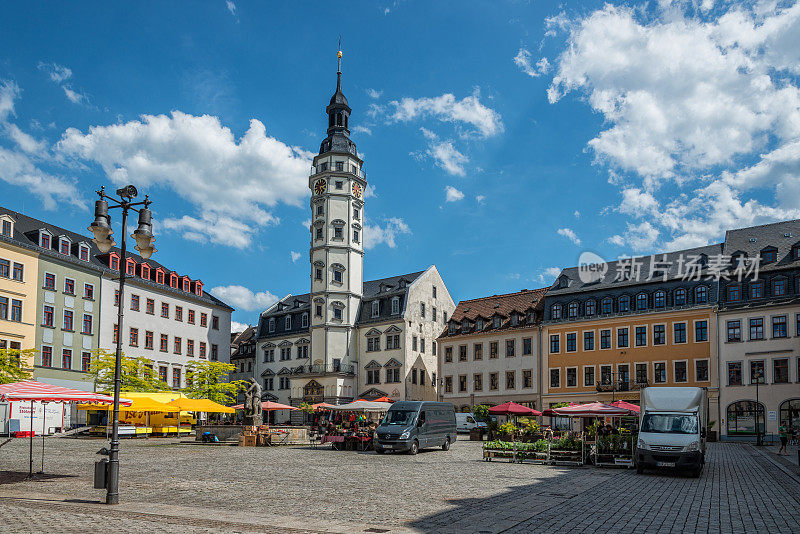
[
  {"x": 31, "y": 390},
  {"x": 549, "y": 411},
  {"x": 321, "y": 406},
  {"x": 270, "y": 406},
  {"x": 238, "y": 406},
  {"x": 590, "y": 409},
  {"x": 383, "y": 399},
  {"x": 512, "y": 408},
  {"x": 633, "y": 408}
]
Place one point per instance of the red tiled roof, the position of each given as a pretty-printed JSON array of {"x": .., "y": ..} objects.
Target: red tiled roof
[{"x": 504, "y": 305}]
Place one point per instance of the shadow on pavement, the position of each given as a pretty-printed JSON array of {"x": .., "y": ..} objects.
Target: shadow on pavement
[{"x": 13, "y": 477}]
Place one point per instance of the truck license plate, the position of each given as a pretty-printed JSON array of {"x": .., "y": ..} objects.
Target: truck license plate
[{"x": 665, "y": 464}]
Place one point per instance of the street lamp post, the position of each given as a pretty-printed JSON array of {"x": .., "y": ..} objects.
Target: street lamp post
[
  {"x": 758, "y": 376},
  {"x": 143, "y": 235}
]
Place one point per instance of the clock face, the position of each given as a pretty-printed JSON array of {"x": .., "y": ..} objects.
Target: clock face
[
  {"x": 320, "y": 186},
  {"x": 357, "y": 190}
]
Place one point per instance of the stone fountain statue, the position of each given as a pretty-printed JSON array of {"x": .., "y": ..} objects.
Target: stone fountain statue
[{"x": 252, "y": 404}]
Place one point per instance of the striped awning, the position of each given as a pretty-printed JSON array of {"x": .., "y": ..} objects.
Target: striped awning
[{"x": 31, "y": 390}]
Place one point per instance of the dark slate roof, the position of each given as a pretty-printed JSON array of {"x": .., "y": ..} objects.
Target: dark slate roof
[
  {"x": 608, "y": 281},
  {"x": 26, "y": 234},
  {"x": 296, "y": 305},
  {"x": 242, "y": 342},
  {"x": 784, "y": 236}
]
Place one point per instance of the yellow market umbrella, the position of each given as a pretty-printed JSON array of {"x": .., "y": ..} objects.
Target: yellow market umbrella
[
  {"x": 138, "y": 404},
  {"x": 199, "y": 405}
]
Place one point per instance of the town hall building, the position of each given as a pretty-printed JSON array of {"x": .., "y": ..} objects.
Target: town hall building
[{"x": 347, "y": 338}]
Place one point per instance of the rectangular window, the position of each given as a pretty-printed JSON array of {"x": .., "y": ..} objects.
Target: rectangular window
[
  {"x": 47, "y": 356},
  {"x": 778, "y": 288},
  {"x": 86, "y": 360},
  {"x": 4, "y": 311},
  {"x": 757, "y": 290},
  {"x": 448, "y": 383},
  {"x": 734, "y": 373},
  {"x": 757, "y": 372},
  {"x": 47, "y": 316},
  {"x": 19, "y": 271},
  {"x": 555, "y": 378},
  {"x": 734, "y": 330},
  {"x": 448, "y": 354},
  {"x": 511, "y": 379},
  {"x": 414, "y": 343},
  {"x": 135, "y": 302},
  {"x": 88, "y": 291},
  {"x": 701, "y": 331},
  {"x": 462, "y": 383},
  {"x": 422, "y": 345},
  {"x": 202, "y": 349},
  {"x": 214, "y": 322},
  {"x": 477, "y": 382},
  {"x": 701, "y": 370},
  {"x": 190, "y": 347},
  {"x": 641, "y": 373},
  {"x": 134, "y": 337},
  {"x": 588, "y": 341},
  {"x": 605, "y": 340},
  {"x": 190, "y": 318},
  {"x": 493, "y": 350},
  {"x": 50, "y": 281},
  {"x": 87, "y": 324},
  {"x": 462, "y": 352},
  {"x": 510, "y": 348},
  {"x": 659, "y": 334},
  {"x": 494, "y": 381},
  {"x": 116, "y": 297},
  {"x": 177, "y": 346},
  {"x": 338, "y": 233},
  {"x": 572, "y": 377},
  {"x": 680, "y": 372},
  {"x": 148, "y": 340},
  {"x": 422, "y": 309},
  {"x": 660, "y": 373},
  {"x": 115, "y": 334},
  {"x": 622, "y": 338},
  {"x": 176, "y": 378},
  {"x": 6, "y": 228},
  {"x": 66, "y": 359},
  {"x": 178, "y": 313},
  {"x": 204, "y": 320},
  {"x": 779, "y": 328},
  {"x": 679, "y": 333},
  {"x": 605, "y": 375},
  {"x": 477, "y": 351},
  {"x": 164, "y": 347},
  {"x": 756, "y": 329},
  {"x": 624, "y": 375},
  {"x": 5, "y": 268},
  {"x": 572, "y": 342},
  {"x": 780, "y": 371},
  {"x": 151, "y": 307},
  {"x": 527, "y": 346},
  {"x": 527, "y": 378},
  {"x": 641, "y": 336},
  {"x": 68, "y": 321},
  {"x": 16, "y": 311},
  {"x": 165, "y": 310},
  {"x": 588, "y": 376},
  {"x": 555, "y": 342},
  {"x": 69, "y": 286}
]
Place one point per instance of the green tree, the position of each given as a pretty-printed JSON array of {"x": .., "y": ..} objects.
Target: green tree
[
  {"x": 137, "y": 373},
  {"x": 481, "y": 412},
  {"x": 209, "y": 380},
  {"x": 11, "y": 368}
]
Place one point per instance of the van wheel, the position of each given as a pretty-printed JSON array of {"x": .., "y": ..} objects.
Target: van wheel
[
  {"x": 446, "y": 444},
  {"x": 414, "y": 449}
]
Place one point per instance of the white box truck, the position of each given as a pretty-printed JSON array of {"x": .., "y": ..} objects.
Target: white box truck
[{"x": 673, "y": 423}]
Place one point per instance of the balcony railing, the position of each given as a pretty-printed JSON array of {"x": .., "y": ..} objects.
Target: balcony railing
[
  {"x": 348, "y": 169},
  {"x": 622, "y": 386},
  {"x": 321, "y": 369}
]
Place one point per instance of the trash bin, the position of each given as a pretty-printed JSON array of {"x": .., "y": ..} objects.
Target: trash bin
[{"x": 101, "y": 473}]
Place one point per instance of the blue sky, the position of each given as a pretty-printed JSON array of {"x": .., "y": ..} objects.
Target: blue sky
[{"x": 501, "y": 139}]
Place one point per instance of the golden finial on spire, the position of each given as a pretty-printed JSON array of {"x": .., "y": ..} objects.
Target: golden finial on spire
[{"x": 339, "y": 56}]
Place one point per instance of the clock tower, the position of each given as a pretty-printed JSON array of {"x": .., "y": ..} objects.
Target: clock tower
[{"x": 337, "y": 184}]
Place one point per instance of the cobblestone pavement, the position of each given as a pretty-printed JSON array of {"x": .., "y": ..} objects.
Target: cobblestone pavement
[{"x": 165, "y": 486}]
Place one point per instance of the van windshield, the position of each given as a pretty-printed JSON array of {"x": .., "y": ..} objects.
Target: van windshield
[
  {"x": 669, "y": 424},
  {"x": 399, "y": 417}
]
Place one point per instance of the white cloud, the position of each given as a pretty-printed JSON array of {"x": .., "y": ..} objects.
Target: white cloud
[
  {"x": 26, "y": 142},
  {"x": 548, "y": 275},
  {"x": 362, "y": 129},
  {"x": 369, "y": 191},
  {"x": 701, "y": 109},
  {"x": 232, "y": 182},
  {"x": 75, "y": 97},
  {"x": 231, "y": 7},
  {"x": 374, "y": 93},
  {"x": 452, "y": 194},
  {"x": 485, "y": 121},
  {"x": 295, "y": 256},
  {"x": 9, "y": 91},
  {"x": 243, "y": 299},
  {"x": 577, "y": 214},
  {"x": 523, "y": 61},
  {"x": 376, "y": 234},
  {"x": 58, "y": 73},
  {"x": 447, "y": 157},
  {"x": 569, "y": 234},
  {"x": 480, "y": 199},
  {"x": 238, "y": 327}
]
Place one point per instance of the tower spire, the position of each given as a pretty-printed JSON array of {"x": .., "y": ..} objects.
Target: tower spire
[{"x": 339, "y": 66}]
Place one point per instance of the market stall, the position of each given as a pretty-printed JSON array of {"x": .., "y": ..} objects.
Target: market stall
[
  {"x": 33, "y": 391},
  {"x": 351, "y": 426},
  {"x": 607, "y": 444},
  {"x": 135, "y": 418}
]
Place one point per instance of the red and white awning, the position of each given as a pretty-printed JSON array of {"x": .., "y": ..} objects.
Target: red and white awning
[{"x": 31, "y": 390}]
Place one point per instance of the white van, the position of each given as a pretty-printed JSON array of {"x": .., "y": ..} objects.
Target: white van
[{"x": 467, "y": 421}]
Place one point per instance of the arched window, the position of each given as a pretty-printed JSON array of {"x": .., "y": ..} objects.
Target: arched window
[
  {"x": 607, "y": 305},
  {"x": 572, "y": 310},
  {"x": 288, "y": 322},
  {"x": 701, "y": 295},
  {"x": 680, "y": 297},
  {"x": 641, "y": 301},
  {"x": 659, "y": 299},
  {"x": 304, "y": 320},
  {"x": 375, "y": 308},
  {"x": 789, "y": 414},
  {"x": 743, "y": 416},
  {"x": 591, "y": 307},
  {"x": 624, "y": 303},
  {"x": 556, "y": 311},
  {"x": 271, "y": 324}
]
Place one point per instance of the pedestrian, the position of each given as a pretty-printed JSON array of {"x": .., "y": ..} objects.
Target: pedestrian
[{"x": 784, "y": 440}]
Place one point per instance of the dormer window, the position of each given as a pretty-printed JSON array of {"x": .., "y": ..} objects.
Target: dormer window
[
  {"x": 659, "y": 299},
  {"x": 160, "y": 275},
  {"x": 144, "y": 271},
  {"x": 130, "y": 267},
  {"x": 64, "y": 245},
  {"x": 572, "y": 310},
  {"x": 186, "y": 283},
  {"x": 769, "y": 255},
  {"x": 563, "y": 281},
  {"x": 83, "y": 252},
  {"x": 198, "y": 288},
  {"x": 395, "y": 305},
  {"x": 113, "y": 261},
  {"x": 590, "y": 307},
  {"x": 496, "y": 322},
  {"x": 271, "y": 326},
  {"x": 375, "y": 308},
  {"x": 680, "y": 297},
  {"x": 44, "y": 239},
  {"x": 7, "y": 226},
  {"x": 173, "y": 280},
  {"x": 304, "y": 320},
  {"x": 555, "y": 311},
  {"x": 624, "y": 303},
  {"x": 479, "y": 324},
  {"x": 287, "y": 322},
  {"x": 607, "y": 305},
  {"x": 641, "y": 301},
  {"x": 514, "y": 319},
  {"x": 796, "y": 252}
]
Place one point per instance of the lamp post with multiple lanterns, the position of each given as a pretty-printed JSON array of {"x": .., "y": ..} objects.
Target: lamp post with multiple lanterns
[{"x": 101, "y": 228}]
